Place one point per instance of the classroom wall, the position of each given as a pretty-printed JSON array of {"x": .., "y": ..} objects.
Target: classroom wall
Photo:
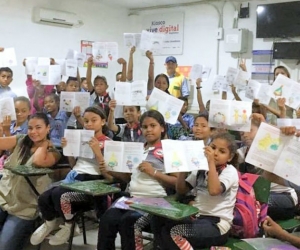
[
  {"x": 101, "y": 23},
  {"x": 105, "y": 23},
  {"x": 201, "y": 45}
]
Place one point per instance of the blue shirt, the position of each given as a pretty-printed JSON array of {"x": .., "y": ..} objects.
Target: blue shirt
[
  {"x": 6, "y": 92},
  {"x": 19, "y": 130},
  {"x": 57, "y": 127},
  {"x": 184, "y": 86},
  {"x": 188, "y": 119}
]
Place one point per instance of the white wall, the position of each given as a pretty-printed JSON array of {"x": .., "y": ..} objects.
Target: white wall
[
  {"x": 201, "y": 45},
  {"x": 101, "y": 23},
  {"x": 104, "y": 23}
]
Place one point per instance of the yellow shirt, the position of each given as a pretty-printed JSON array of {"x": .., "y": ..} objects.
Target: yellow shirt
[{"x": 175, "y": 84}]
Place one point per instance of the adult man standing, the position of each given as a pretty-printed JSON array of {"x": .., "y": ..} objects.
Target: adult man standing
[{"x": 178, "y": 83}]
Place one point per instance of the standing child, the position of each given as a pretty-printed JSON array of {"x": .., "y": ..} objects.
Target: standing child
[
  {"x": 148, "y": 180},
  {"x": 65, "y": 203},
  {"x": 6, "y": 77},
  {"x": 216, "y": 191},
  {"x": 130, "y": 131}
]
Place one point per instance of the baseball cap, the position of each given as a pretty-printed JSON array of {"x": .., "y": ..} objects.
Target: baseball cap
[{"x": 171, "y": 59}]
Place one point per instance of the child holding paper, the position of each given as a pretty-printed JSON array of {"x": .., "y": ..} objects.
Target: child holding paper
[
  {"x": 216, "y": 191},
  {"x": 72, "y": 85},
  {"x": 273, "y": 108},
  {"x": 20, "y": 126},
  {"x": 130, "y": 131},
  {"x": 99, "y": 96},
  {"x": 64, "y": 203},
  {"x": 37, "y": 92},
  {"x": 184, "y": 124},
  {"x": 58, "y": 119},
  {"x": 149, "y": 180},
  {"x": 282, "y": 200}
]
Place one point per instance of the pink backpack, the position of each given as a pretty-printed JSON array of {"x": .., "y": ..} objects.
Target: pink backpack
[{"x": 248, "y": 212}]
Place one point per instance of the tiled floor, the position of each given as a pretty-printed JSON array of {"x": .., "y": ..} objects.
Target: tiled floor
[{"x": 92, "y": 235}]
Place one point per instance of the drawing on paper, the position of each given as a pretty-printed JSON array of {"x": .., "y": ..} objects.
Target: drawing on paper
[
  {"x": 244, "y": 116},
  {"x": 129, "y": 164},
  {"x": 268, "y": 142},
  {"x": 294, "y": 98},
  {"x": 176, "y": 162},
  {"x": 219, "y": 118},
  {"x": 112, "y": 161},
  {"x": 278, "y": 91},
  {"x": 154, "y": 106},
  {"x": 195, "y": 162},
  {"x": 67, "y": 102}
]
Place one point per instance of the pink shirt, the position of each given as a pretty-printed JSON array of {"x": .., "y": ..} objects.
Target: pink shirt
[{"x": 31, "y": 90}]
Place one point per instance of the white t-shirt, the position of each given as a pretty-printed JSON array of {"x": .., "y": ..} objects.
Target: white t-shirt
[
  {"x": 143, "y": 185},
  {"x": 220, "y": 205}
]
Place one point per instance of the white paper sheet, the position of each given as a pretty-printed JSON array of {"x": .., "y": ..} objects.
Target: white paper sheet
[
  {"x": 70, "y": 100},
  {"x": 8, "y": 58},
  {"x": 78, "y": 143},
  {"x": 196, "y": 71},
  {"x": 169, "y": 106},
  {"x": 131, "y": 94},
  {"x": 184, "y": 156},
  {"x": 233, "y": 115},
  {"x": 287, "y": 88},
  {"x": 7, "y": 108},
  {"x": 123, "y": 156},
  {"x": 266, "y": 147}
]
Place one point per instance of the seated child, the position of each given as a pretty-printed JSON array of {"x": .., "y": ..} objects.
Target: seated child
[
  {"x": 216, "y": 191},
  {"x": 60, "y": 202}
]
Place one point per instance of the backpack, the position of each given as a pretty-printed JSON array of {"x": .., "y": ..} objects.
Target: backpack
[{"x": 248, "y": 212}]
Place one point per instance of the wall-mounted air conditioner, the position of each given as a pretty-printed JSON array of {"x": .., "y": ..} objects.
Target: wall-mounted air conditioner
[{"x": 56, "y": 17}]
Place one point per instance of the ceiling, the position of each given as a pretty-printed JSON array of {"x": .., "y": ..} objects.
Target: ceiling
[{"x": 137, "y": 4}]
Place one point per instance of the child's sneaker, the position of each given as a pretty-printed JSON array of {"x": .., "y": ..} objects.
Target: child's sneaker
[
  {"x": 63, "y": 235},
  {"x": 42, "y": 232}
]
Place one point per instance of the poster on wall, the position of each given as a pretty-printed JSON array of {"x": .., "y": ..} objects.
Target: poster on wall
[
  {"x": 87, "y": 49},
  {"x": 262, "y": 66},
  {"x": 171, "y": 25}
]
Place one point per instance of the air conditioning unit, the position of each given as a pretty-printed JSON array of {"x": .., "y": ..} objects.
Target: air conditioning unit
[{"x": 56, "y": 17}]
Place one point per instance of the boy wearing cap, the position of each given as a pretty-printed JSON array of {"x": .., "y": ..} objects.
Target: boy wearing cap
[{"x": 178, "y": 83}]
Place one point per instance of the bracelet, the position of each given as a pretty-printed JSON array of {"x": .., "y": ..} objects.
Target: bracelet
[
  {"x": 155, "y": 171},
  {"x": 151, "y": 63},
  {"x": 198, "y": 87}
]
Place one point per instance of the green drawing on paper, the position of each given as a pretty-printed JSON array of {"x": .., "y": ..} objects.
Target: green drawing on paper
[
  {"x": 112, "y": 161},
  {"x": 176, "y": 162},
  {"x": 268, "y": 142},
  {"x": 278, "y": 92}
]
